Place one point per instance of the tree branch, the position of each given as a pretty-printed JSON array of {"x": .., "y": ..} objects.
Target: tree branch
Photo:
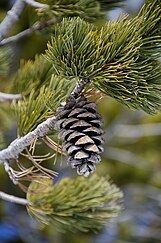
[
  {"x": 12, "y": 17},
  {"x": 18, "y": 145},
  {"x": 14, "y": 13},
  {"x": 36, "y": 4},
  {"x": 13, "y": 199},
  {"x": 9, "y": 97},
  {"x": 27, "y": 32}
]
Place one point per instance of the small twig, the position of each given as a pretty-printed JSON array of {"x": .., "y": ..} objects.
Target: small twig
[
  {"x": 10, "y": 171},
  {"x": 36, "y": 4},
  {"x": 11, "y": 18},
  {"x": 27, "y": 32},
  {"x": 9, "y": 97},
  {"x": 13, "y": 199}
]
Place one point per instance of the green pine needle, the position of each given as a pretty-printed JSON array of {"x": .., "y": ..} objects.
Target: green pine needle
[
  {"x": 42, "y": 93},
  {"x": 41, "y": 104},
  {"x": 32, "y": 111},
  {"x": 31, "y": 75},
  {"x": 4, "y": 61},
  {"x": 89, "y": 10},
  {"x": 121, "y": 59},
  {"x": 62, "y": 89},
  {"x": 71, "y": 50},
  {"x": 71, "y": 205}
]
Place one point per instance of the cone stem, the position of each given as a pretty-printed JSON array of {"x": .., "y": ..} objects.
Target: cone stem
[{"x": 79, "y": 87}]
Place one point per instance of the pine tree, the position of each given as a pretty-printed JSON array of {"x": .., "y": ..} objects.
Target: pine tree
[{"x": 55, "y": 96}]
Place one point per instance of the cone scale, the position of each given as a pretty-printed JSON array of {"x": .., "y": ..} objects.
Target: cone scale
[{"x": 80, "y": 128}]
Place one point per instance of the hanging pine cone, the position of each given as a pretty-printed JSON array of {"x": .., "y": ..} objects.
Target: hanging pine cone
[{"x": 80, "y": 128}]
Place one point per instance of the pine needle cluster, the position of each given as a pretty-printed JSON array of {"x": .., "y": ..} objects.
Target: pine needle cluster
[
  {"x": 89, "y": 10},
  {"x": 42, "y": 93},
  {"x": 120, "y": 59},
  {"x": 4, "y": 61},
  {"x": 32, "y": 75},
  {"x": 72, "y": 205}
]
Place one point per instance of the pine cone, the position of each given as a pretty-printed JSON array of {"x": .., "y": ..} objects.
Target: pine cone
[{"x": 80, "y": 128}]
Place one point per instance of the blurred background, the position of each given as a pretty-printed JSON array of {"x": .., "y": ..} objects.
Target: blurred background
[{"x": 132, "y": 159}]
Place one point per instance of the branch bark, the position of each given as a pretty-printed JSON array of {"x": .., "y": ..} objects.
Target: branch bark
[
  {"x": 79, "y": 87},
  {"x": 9, "y": 97},
  {"x": 11, "y": 18},
  {"x": 13, "y": 199},
  {"x": 18, "y": 145},
  {"x": 27, "y": 32},
  {"x": 36, "y": 4},
  {"x": 14, "y": 13}
]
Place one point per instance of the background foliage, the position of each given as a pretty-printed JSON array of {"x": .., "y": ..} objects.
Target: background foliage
[{"x": 132, "y": 156}]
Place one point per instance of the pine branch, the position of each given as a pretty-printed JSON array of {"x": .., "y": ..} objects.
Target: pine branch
[
  {"x": 18, "y": 145},
  {"x": 11, "y": 18},
  {"x": 13, "y": 199},
  {"x": 14, "y": 14},
  {"x": 28, "y": 32},
  {"x": 89, "y": 10},
  {"x": 36, "y": 4},
  {"x": 40, "y": 102},
  {"x": 9, "y": 97},
  {"x": 121, "y": 59}
]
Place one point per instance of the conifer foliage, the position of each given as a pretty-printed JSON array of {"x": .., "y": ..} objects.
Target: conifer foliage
[
  {"x": 119, "y": 60},
  {"x": 72, "y": 205}
]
